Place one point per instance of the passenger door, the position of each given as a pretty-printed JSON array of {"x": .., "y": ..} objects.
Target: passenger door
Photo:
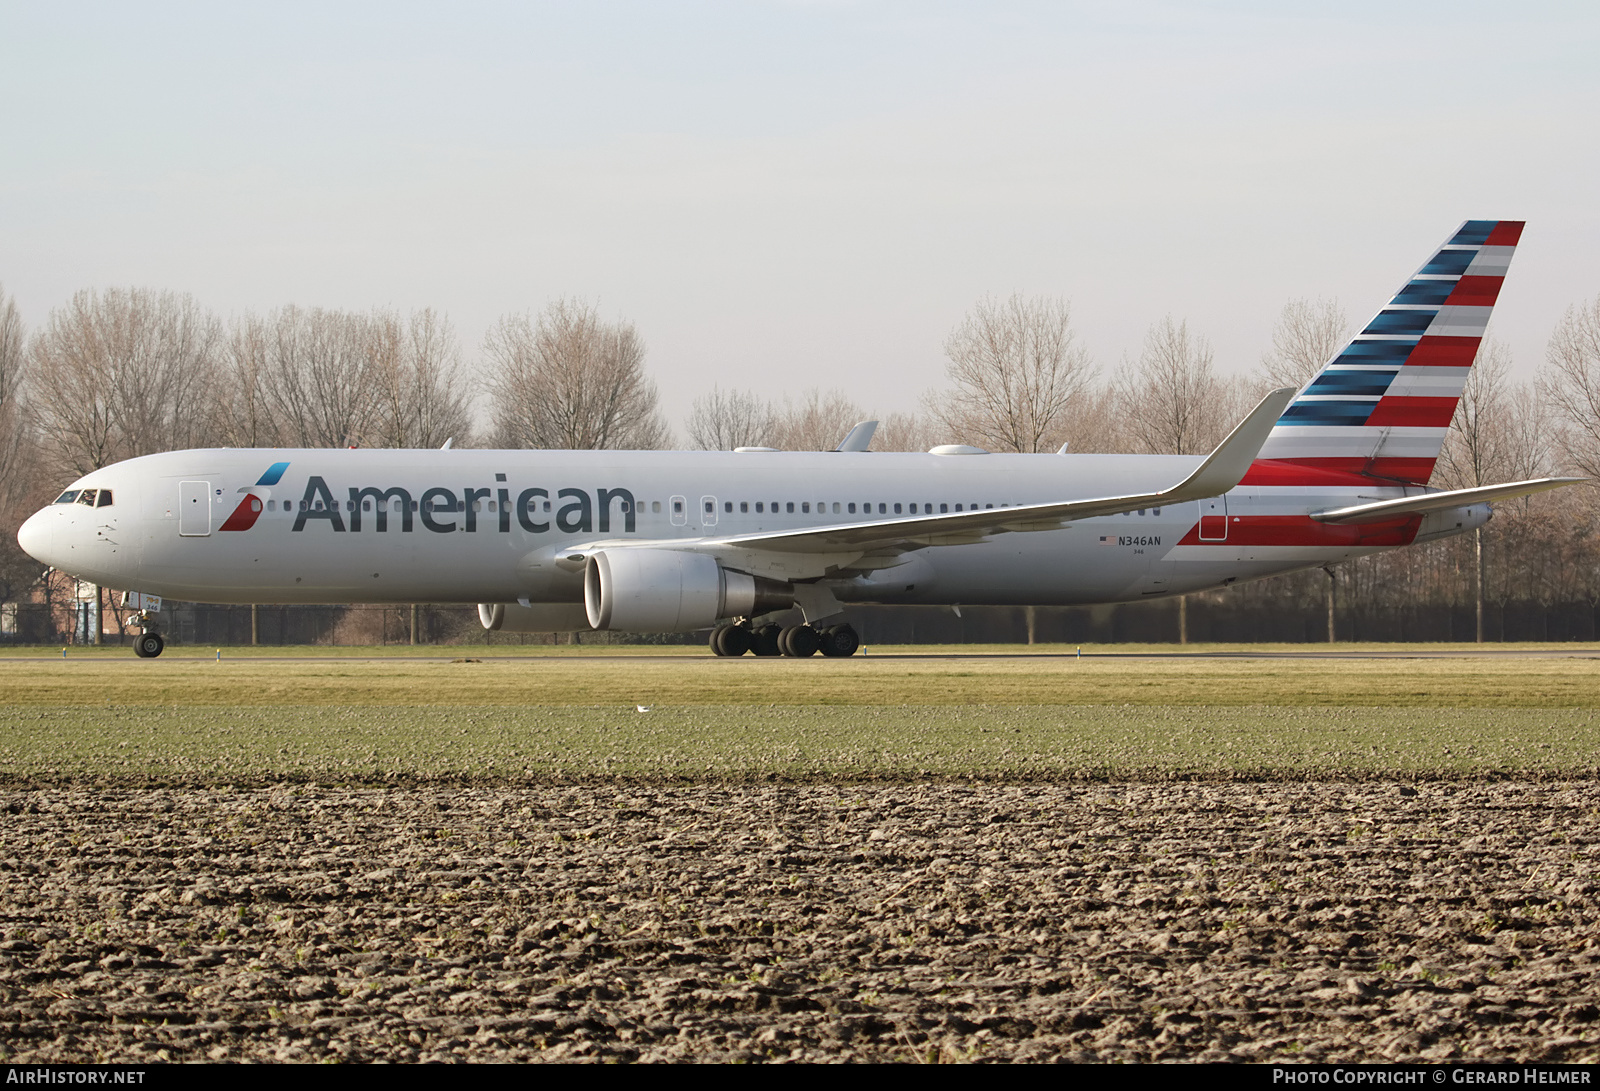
[{"x": 194, "y": 509}]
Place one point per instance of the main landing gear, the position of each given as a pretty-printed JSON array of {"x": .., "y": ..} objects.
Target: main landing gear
[{"x": 796, "y": 641}]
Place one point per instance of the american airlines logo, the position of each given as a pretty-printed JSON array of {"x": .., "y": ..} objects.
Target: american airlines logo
[
  {"x": 255, "y": 499},
  {"x": 445, "y": 511}
]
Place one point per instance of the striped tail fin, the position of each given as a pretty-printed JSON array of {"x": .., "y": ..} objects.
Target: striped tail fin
[{"x": 1381, "y": 407}]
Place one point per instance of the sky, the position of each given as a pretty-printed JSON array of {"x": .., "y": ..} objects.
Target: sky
[{"x": 790, "y": 195}]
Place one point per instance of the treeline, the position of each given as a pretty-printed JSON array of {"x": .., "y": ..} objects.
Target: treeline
[{"x": 119, "y": 373}]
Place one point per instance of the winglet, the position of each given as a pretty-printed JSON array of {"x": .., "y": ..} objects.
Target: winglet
[
  {"x": 859, "y": 437},
  {"x": 1226, "y": 466}
]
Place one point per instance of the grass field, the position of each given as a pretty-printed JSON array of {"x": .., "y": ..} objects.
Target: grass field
[
  {"x": 619, "y": 678},
  {"x": 396, "y": 716}
]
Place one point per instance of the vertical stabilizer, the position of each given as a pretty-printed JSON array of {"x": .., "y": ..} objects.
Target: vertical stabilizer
[{"x": 1381, "y": 407}]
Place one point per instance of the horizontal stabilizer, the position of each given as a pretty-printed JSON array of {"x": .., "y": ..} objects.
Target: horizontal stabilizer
[{"x": 1438, "y": 501}]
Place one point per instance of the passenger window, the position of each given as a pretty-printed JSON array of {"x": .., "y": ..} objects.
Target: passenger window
[
  {"x": 852, "y": 507},
  {"x": 789, "y": 507},
  {"x": 883, "y": 509},
  {"x": 759, "y": 508},
  {"x": 805, "y": 507},
  {"x": 677, "y": 507},
  {"x": 836, "y": 507},
  {"x": 744, "y": 506},
  {"x": 655, "y": 507},
  {"x": 1155, "y": 511},
  {"x": 897, "y": 509},
  {"x": 945, "y": 507},
  {"x": 727, "y": 506}
]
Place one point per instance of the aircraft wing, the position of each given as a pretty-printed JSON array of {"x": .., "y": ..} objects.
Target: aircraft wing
[
  {"x": 1437, "y": 501},
  {"x": 1221, "y": 471}
]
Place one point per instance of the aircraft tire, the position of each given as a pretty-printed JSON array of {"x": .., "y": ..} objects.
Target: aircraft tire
[
  {"x": 764, "y": 641},
  {"x": 839, "y": 641},
  {"x": 148, "y": 645},
  {"x": 735, "y": 640},
  {"x": 716, "y": 642},
  {"x": 803, "y": 641}
]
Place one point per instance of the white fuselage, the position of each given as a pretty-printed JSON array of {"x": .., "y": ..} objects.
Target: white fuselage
[{"x": 501, "y": 520}]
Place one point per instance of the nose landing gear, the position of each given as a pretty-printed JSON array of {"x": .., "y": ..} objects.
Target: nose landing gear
[{"x": 148, "y": 645}]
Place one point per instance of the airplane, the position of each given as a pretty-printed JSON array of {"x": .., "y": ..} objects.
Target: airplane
[{"x": 738, "y": 542}]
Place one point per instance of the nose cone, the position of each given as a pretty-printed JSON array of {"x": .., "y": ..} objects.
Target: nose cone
[{"x": 37, "y": 536}]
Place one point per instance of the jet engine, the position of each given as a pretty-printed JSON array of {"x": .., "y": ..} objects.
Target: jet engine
[{"x": 668, "y": 591}]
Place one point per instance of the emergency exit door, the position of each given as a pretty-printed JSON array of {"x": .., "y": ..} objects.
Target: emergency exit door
[{"x": 1214, "y": 519}]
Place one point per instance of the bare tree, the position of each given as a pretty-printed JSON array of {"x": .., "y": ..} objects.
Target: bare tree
[
  {"x": 1493, "y": 437},
  {"x": 1173, "y": 402},
  {"x": 123, "y": 373},
  {"x": 1572, "y": 382},
  {"x": 906, "y": 432},
  {"x": 14, "y": 475},
  {"x": 723, "y": 420},
  {"x": 1017, "y": 375},
  {"x": 1478, "y": 448},
  {"x": 1308, "y": 333},
  {"x": 250, "y": 415},
  {"x": 817, "y": 422},
  {"x": 324, "y": 376},
  {"x": 566, "y": 380},
  {"x": 422, "y": 399}
]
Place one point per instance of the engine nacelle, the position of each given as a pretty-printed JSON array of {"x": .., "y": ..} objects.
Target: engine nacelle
[
  {"x": 538, "y": 617},
  {"x": 668, "y": 591}
]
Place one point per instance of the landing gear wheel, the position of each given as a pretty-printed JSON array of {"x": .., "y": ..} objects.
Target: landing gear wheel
[
  {"x": 764, "y": 641},
  {"x": 735, "y": 640},
  {"x": 148, "y": 645},
  {"x": 839, "y": 641},
  {"x": 800, "y": 641},
  {"x": 730, "y": 640}
]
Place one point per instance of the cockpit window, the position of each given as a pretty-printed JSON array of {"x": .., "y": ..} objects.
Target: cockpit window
[
  {"x": 86, "y": 497},
  {"x": 67, "y": 497},
  {"x": 105, "y": 499}
]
